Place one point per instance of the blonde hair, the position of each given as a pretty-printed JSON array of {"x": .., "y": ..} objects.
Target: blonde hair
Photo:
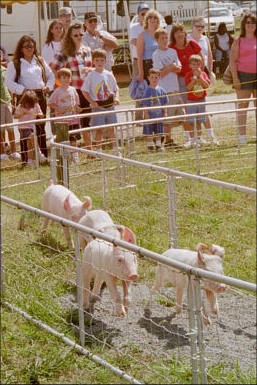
[
  {"x": 196, "y": 58},
  {"x": 151, "y": 12},
  {"x": 159, "y": 32}
]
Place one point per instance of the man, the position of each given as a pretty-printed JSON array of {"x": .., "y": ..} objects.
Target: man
[
  {"x": 65, "y": 17},
  {"x": 94, "y": 38},
  {"x": 134, "y": 31}
]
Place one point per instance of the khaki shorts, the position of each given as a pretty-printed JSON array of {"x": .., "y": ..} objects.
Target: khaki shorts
[
  {"x": 6, "y": 116},
  {"x": 175, "y": 100}
]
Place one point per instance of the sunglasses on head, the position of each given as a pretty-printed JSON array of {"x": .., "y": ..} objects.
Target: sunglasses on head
[
  {"x": 78, "y": 35},
  {"x": 92, "y": 21}
]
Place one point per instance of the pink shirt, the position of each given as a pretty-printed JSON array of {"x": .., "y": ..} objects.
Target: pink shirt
[
  {"x": 247, "y": 55},
  {"x": 66, "y": 99},
  {"x": 29, "y": 114}
]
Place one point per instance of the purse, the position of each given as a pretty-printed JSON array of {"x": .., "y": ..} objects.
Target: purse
[{"x": 227, "y": 76}]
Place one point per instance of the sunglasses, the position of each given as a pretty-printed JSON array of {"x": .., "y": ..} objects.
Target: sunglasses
[
  {"x": 199, "y": 26},
  {"x": 250, "y": 22},
  {"x": 78, "y": 35},
  {"x": 92, "y": 21},
  {"x": 153, "y": 17},
  {"x": 28, "y": 46},
  {"x": 143, "y": 14}
]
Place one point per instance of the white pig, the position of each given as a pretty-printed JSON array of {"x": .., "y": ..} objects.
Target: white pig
[
  {"x": 100, "y": 220},
  {"x": 108, "y": 263},
  {"x": 60, "y": 201},
  {"x": 211, "y": 262}
]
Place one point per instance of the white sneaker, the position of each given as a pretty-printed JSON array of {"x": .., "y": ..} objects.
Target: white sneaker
[
  {"x": 160, "y": 148},
  {"x": 4, "y": 157},
  {"x": 214, "y": 140},
  {"x": 201, "y": 141},
  {"x": 75, "y": 157},
  {"x": 15, "y": 155},
  {"x": 31, "y": 163},
  {"x": 189, "y": 143},
  {"x": 42, "y": 158}
]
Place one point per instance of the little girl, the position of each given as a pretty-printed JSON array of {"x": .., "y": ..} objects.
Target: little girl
[{"x": 28, "y": 109}]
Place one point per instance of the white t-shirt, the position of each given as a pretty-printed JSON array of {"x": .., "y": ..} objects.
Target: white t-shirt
[
  {"x": 95, "y": 42},
  {"x": 223, "y": 41},
  {"x": 100, "y": 85},
  {"x": 134, "y": 31},
  {"x": 66, "y": 99},
  {"x": 51, "y": 49},
  {"x": 163, "y": 58},
  {"x": 203, "y": 43}
]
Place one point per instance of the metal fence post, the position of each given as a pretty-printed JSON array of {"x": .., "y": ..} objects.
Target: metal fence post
[
  {"x": 80, "y": 287},
  {"x": 62, "y": 135},
  {"x": 196, "y": 147},
  {"x": 193, "y": 329},
  {"x": 2, "y": 287},
  {"x": 173, "y": 236}
]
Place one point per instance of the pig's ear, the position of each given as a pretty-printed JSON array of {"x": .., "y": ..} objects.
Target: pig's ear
[
  {"x": 217, "y": 250},
  {"x": 66, "y": 203},
  {"x": 87, "y": 204},
  {"x": 129, "y": 236},
  {"x": 200, "y": 259}
]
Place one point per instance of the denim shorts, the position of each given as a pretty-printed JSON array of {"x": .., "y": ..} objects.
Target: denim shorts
[
  {"x": 250, "y": 80},
  {"x": 102, "y": 120},
  {"x": 196, "y": 109}
]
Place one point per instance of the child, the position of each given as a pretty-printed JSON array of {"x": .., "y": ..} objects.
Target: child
[
  {"x": 154, "y": 96},
  {"x": 197, "y": 81},
  {"x": 166, "y": 60},
  {"x": 65, "y": 101},
  {"x": 6, "y": 116},
  {"x": 101, "y": 90},
  {"x": 28, "y": 109}
]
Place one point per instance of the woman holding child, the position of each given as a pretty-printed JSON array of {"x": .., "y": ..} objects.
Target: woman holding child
[{"x": 77, "y": 58}]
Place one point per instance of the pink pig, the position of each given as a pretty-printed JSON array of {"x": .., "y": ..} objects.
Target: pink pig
[
  {"x": 60, "y": 201},
  {"x": 211, "y": 262},
  {"x": 100, "y": 220},
  {"x": 109, "y": 263}
]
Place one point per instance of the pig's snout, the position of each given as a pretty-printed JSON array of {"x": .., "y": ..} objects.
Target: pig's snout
[
  {"x": 133, "y": 277},
  {"x": 221, "y": 289}
]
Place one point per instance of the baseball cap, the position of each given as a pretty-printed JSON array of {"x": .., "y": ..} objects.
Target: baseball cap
[
  {"x": 65, "y": 11},
  {"x": 90, "y": 15},
  {"x": 142, "y": 6}
]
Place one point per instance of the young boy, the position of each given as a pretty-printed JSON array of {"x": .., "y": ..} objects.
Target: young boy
[
  {"x": 101, "y": 90},
  {"x": 65, "y": 101},
  {"x": 154, "y": 96},
  {"x": 166, "y": 60},
  {"x": 197, "y": 81}
]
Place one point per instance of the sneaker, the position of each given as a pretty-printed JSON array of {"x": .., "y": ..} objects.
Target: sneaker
[
  {"x": 242, "y": 141},
  {"x": 31, "y": 163},
  {"x": 42, "y": 158},
  {"x": 214, "y": 140},
  {"x": 75, "y": 157},
  {"x": 189, "y": 143},
  {"x": 171, "y": 144},
  {"x": 15, "y": 155},
  {"x": 150, "y": 148},
  {"x": 201, "y": 141},
  {"x": 160, "y": 148},
  {"x": 4, "y": 157}
]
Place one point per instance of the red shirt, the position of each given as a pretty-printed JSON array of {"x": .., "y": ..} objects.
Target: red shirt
[
  {"x": 192, "y": 48},
  {"x": 197, "y": 92}
]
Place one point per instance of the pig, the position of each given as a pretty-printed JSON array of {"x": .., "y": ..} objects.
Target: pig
[
  {"x": 211, "y": 261},
  {"x": 108, "y": 263},
  {"x": 100, "y": 220},
  {"x": 60, "y": 201}
]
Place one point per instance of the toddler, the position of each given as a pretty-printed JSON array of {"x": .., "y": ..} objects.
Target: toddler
[
  {"x": 65, "y": 101},
  {"x": 197, "y": 81},
  {"x": 28, "y": 109},
  {"x": 154, "y": 96}
]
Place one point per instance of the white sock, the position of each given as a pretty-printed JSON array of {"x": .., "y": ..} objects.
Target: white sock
[{"x": 210, "y": 132}]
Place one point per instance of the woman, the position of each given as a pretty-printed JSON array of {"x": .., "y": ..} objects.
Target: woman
[
  {"x": 52, "y": 44},
  {"x": 222, "y": 42},
  {"x": 146, "y": 44},
  {"x": 203, "y": 41},
  {"x": 75, "y": 56},
  {"x": 243, "y": 68},
  {"x": 29, "y": 71},
  {"x": 185, "y": 48}
]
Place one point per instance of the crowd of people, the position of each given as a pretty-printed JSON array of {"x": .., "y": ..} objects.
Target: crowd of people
[{"x": 73, "y": 75}]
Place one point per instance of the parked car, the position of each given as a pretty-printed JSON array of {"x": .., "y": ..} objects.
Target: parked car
[
  {"x": 236, "y": 10},
  {"x": 135, "y": 20},
  {"x": 215, "y": 16}
]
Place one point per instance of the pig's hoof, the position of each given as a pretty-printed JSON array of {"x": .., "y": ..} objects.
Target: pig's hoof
[{"x": 207, "y": 321}]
